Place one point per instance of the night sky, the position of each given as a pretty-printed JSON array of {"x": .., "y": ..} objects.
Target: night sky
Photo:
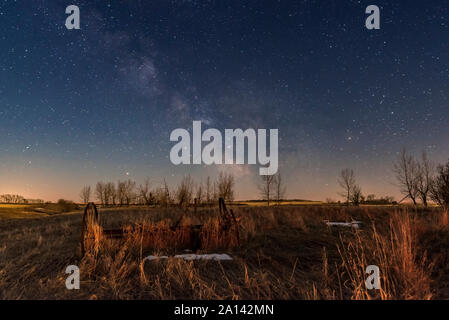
[{"x": 79, "y": 106}]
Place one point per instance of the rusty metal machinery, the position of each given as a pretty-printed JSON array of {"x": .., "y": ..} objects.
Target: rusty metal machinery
[{"x": 187, "y": 236}]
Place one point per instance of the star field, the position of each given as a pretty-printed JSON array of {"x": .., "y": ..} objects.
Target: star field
[{"x": 78, "y": 106}]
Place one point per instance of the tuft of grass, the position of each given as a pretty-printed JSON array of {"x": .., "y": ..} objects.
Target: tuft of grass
[{"x": 404, "y": 273}]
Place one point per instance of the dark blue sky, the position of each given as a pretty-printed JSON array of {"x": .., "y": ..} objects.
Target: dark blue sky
[{"x": 78, "y": 106}]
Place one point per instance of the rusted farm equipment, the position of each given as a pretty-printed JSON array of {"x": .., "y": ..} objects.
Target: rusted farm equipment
[{"x": 187, "y": 236}]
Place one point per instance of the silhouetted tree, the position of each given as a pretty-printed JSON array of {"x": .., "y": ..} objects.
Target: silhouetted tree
[
  {"x": 347, "y": 182},
  {"x": 184, "y": 191},
  {"x": 266, "y": 188},
  {"x": 12, "y": 198},
  {"x": 145, "y": 192},
  {"x": 110, "y": 193},
  {"x": 121, "y": 191},
  {"x": 406, "y": 170},
  {"x": 163, "y": 195},
  {"x": 166, "y": 194},
  {"x": 99, "y": 192},
  {"x": 279, "y": 188},
  {"x": 85, "y": 194},
  {"x": 129, "y": 191},
  {"x": 225, "y": 186},
  {"x": 424, "y": 172},
  {"x": 199, "y": 195},
  {"x": 440, "y": 186},
  {"x": 209, "y": 191},
  {"x": 356, "y": 195}
]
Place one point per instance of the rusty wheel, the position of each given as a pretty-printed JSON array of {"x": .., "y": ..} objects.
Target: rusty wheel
[
  {"x": 90, "y": 218},
  {"x": 228, "y": 220}
]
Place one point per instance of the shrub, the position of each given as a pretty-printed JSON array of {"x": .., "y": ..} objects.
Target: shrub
[{"x": 66, "y": 205}]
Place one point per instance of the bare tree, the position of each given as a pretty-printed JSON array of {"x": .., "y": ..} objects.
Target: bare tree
[
  {"x": 121, "y": 191},
  {"x": 114, "y": 195},
  {"x": 162, "y": 195},
  {"x": 129, "y": 191},
  {"x": 167, "y": 195},
  {"x": 225, "y": 186},
  {"x": 356, "y": 195},
  {"x": 145, "y": 192},
  {"x": 199, "y": 193},
  {"x": 425, "y": 170},
  {"x": 110, "y": 193},
  {"x": 279, "y": 188},
  {"x": 159, "y": 196},
  {"x": 406, "y": 170},
  {"x": 184, "y": 191},
  {"x": 85, "y": 194},
  {"x": 209, "y": 191},
  {"x": 215, "y": 192},
  {"x": 99, "y": 192},
  {"x": 347, "y": 182},
  {"x": 266, "y": 188},
  {"x": 440, "y": 186},
  {"x": 14, "y": 198},
  {"x": 106, "y": 194}
]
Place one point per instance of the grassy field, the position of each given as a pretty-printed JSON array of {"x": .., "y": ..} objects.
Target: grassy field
[
  {"x": 285, "y": 253},
  {"x": 24, "y": 211},
  {"x": 254, "y": 203},
  {"x": 19, "y": 211}
]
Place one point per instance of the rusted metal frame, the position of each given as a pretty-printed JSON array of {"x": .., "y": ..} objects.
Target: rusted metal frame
[
  {"x": 88, "y": 210},
  {"x": 227, "y": 221}
]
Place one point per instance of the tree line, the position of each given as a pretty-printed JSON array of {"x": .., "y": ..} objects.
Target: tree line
[
  {"x": 187, "y": 192},
  {"x": 17, "y": 199},
  {"x": 272, "y": 188},
  {"x": 419, "y": 180}
]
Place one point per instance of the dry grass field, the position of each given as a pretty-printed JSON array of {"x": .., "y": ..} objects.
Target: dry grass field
[
  {"x": 286, "y": 252},
  {"x": 260, "y": 203},
  {"x": 19, "y": 211},
  {"x": 25, "y": 211}
]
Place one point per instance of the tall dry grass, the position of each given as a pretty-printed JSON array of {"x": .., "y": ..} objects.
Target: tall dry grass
[
  {"x": 285, "y": 253},
  {"x": 404, "y": 273}
]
